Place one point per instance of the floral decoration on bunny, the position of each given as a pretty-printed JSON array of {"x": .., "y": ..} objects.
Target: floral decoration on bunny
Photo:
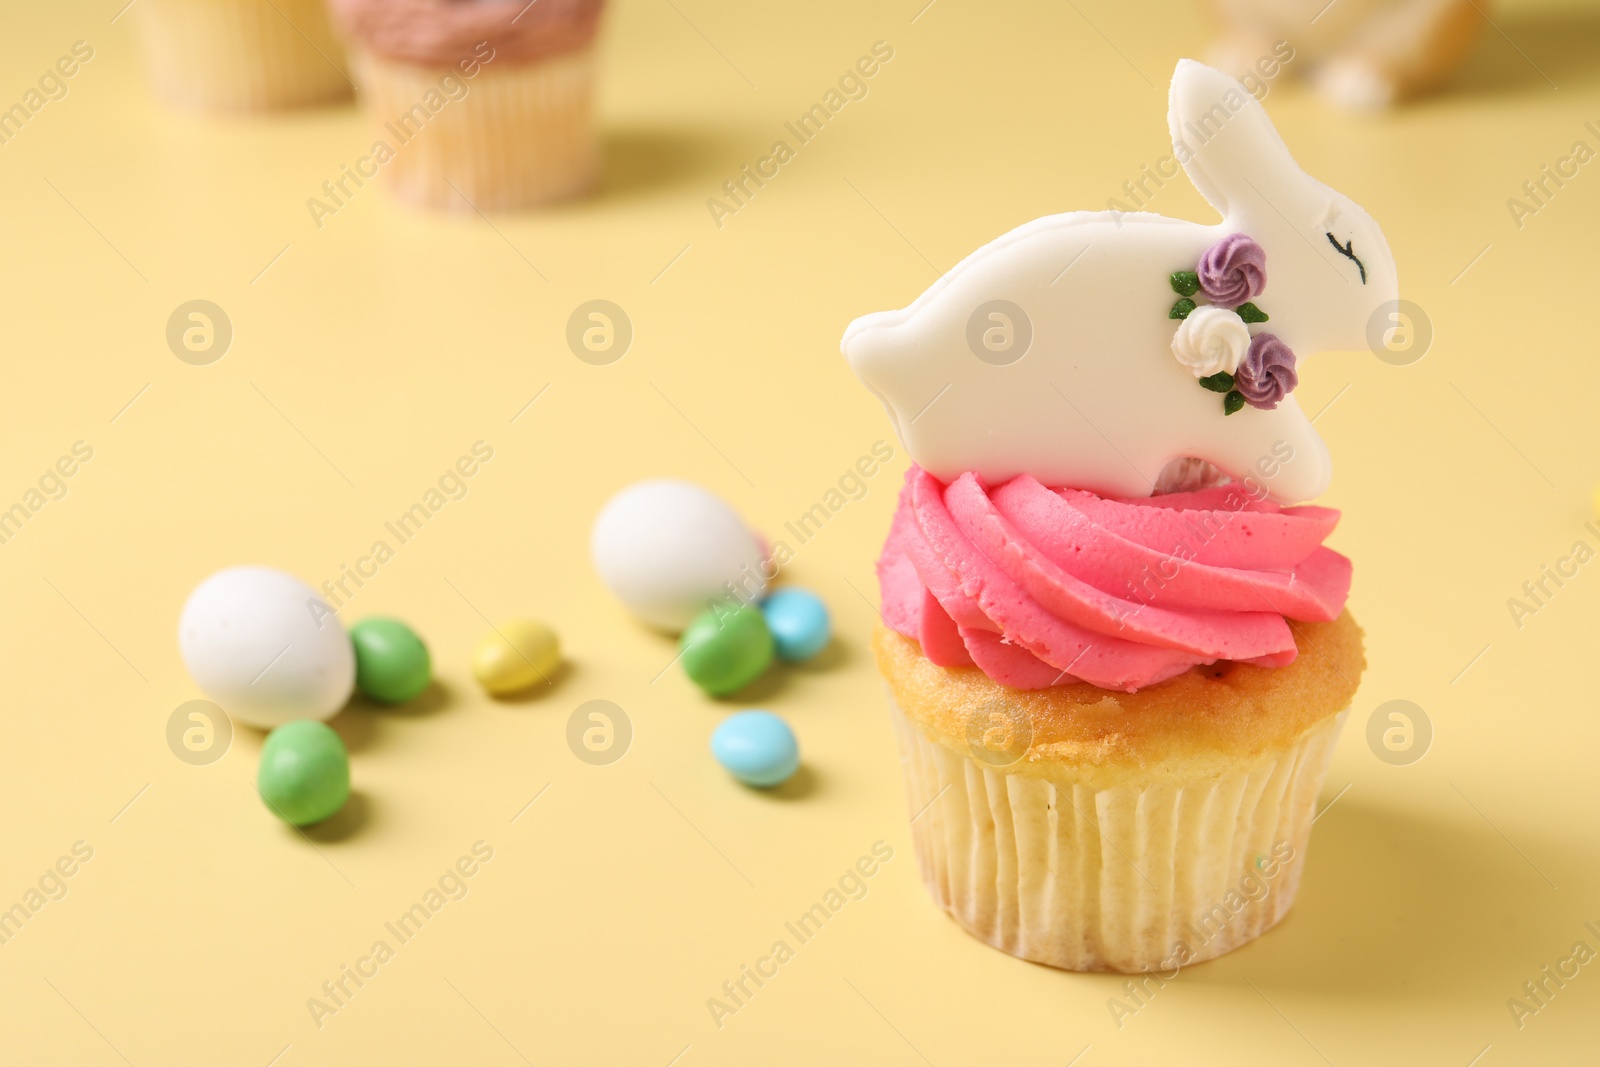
[{"x": 1214, "y": 341}]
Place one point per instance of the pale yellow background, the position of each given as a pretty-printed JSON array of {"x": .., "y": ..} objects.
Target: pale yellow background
[{"x": 379, "y": 348}]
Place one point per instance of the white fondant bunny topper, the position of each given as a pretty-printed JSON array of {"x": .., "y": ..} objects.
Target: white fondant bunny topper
[{"x": 1051, "y": 351}]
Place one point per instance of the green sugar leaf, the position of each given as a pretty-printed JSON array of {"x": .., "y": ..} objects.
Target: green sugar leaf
[
  {"x": 1232, "y": 402},
  {"x": 1221, "y": 382},
  {"x": 1250, "y": 313},
  {"x": 1181, "y": 309},
  {"x": 1185, "y": 282}
]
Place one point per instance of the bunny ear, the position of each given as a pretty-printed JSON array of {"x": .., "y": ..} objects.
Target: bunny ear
[{"x": 1223, "y": 138}]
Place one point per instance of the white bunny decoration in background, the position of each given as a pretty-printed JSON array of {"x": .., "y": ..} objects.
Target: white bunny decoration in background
[
  {"x": 1050, "y": 351},
  {"x": 1361, "y": 54}
]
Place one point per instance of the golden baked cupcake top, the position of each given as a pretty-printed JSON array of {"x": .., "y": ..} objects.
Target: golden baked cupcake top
[{"x": 1201, "y": 723}]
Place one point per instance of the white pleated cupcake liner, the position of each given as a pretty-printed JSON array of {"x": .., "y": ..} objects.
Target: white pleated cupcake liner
[
  {"x": 241, "y": 55},
  {"x": 522, "y": 133},
  {"x": 1125, "y": 878}
]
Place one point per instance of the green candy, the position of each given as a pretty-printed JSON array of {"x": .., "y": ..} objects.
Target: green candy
[
  {"x": 725, "y": 649},
  {"x": 392, "y": 664},
  {"x": 305, "y": 772}
]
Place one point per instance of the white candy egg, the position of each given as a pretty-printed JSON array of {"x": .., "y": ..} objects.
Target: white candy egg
[
  {"x": 666, "y": 548},
  {"x": 266, "y": 647}
]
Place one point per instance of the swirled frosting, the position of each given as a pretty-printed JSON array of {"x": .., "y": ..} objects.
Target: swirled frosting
[
  {"x": 440, "y": 33},
  {"x": 1233, "y": 270},
  {"x": 1041, "y": 587}
]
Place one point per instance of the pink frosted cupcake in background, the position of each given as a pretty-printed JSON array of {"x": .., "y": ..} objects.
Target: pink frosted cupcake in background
[
  {"x": 241, "y": 55},
  {"x": 485, "y": 104}
]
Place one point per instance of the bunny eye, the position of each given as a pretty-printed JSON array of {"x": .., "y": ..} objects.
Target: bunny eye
[{"x": 1347, "y": 251}]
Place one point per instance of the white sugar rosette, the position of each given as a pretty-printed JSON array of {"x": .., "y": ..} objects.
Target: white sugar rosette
[{"x": 1211, "y": 340}]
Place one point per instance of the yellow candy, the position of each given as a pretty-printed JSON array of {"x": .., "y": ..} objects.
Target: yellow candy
[{"x": 516, "y": 655}]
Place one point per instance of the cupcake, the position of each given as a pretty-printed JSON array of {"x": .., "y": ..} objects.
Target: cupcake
[
  {"x": 1114, "y": 641},
  {"x": 477, "y": 104},
  {"x": 241, "y": 55}
]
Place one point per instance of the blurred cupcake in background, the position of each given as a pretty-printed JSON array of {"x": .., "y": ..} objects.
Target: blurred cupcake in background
[
  {"x": 1360, "y": 54},
  {"x": 477, "y": 104},
  {"x": 241, "y": 55}
]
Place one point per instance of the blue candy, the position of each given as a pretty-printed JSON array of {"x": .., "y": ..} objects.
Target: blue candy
[
  {"x": 756, "y": 747},
  {"x": 799, "y": 623}
]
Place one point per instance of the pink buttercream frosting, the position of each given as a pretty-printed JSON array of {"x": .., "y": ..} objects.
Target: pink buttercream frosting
[
  {"x": 1041, "y": 587},
  {"x": 440, "y": 33}
]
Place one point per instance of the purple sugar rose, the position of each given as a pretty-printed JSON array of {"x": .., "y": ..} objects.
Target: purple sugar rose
[
  {"x": 1266, "y": 374},
  {"x": 1233, "y": 270}
]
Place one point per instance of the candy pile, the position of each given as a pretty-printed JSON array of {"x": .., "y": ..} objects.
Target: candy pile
[
  {"x": 269, "y": 650},
  {"x": 682, "y": 561}
]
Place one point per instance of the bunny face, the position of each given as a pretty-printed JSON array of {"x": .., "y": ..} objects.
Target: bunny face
[
  {"x": 1329, "y": 266},
  {"x": 1051, "y": 351}
]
